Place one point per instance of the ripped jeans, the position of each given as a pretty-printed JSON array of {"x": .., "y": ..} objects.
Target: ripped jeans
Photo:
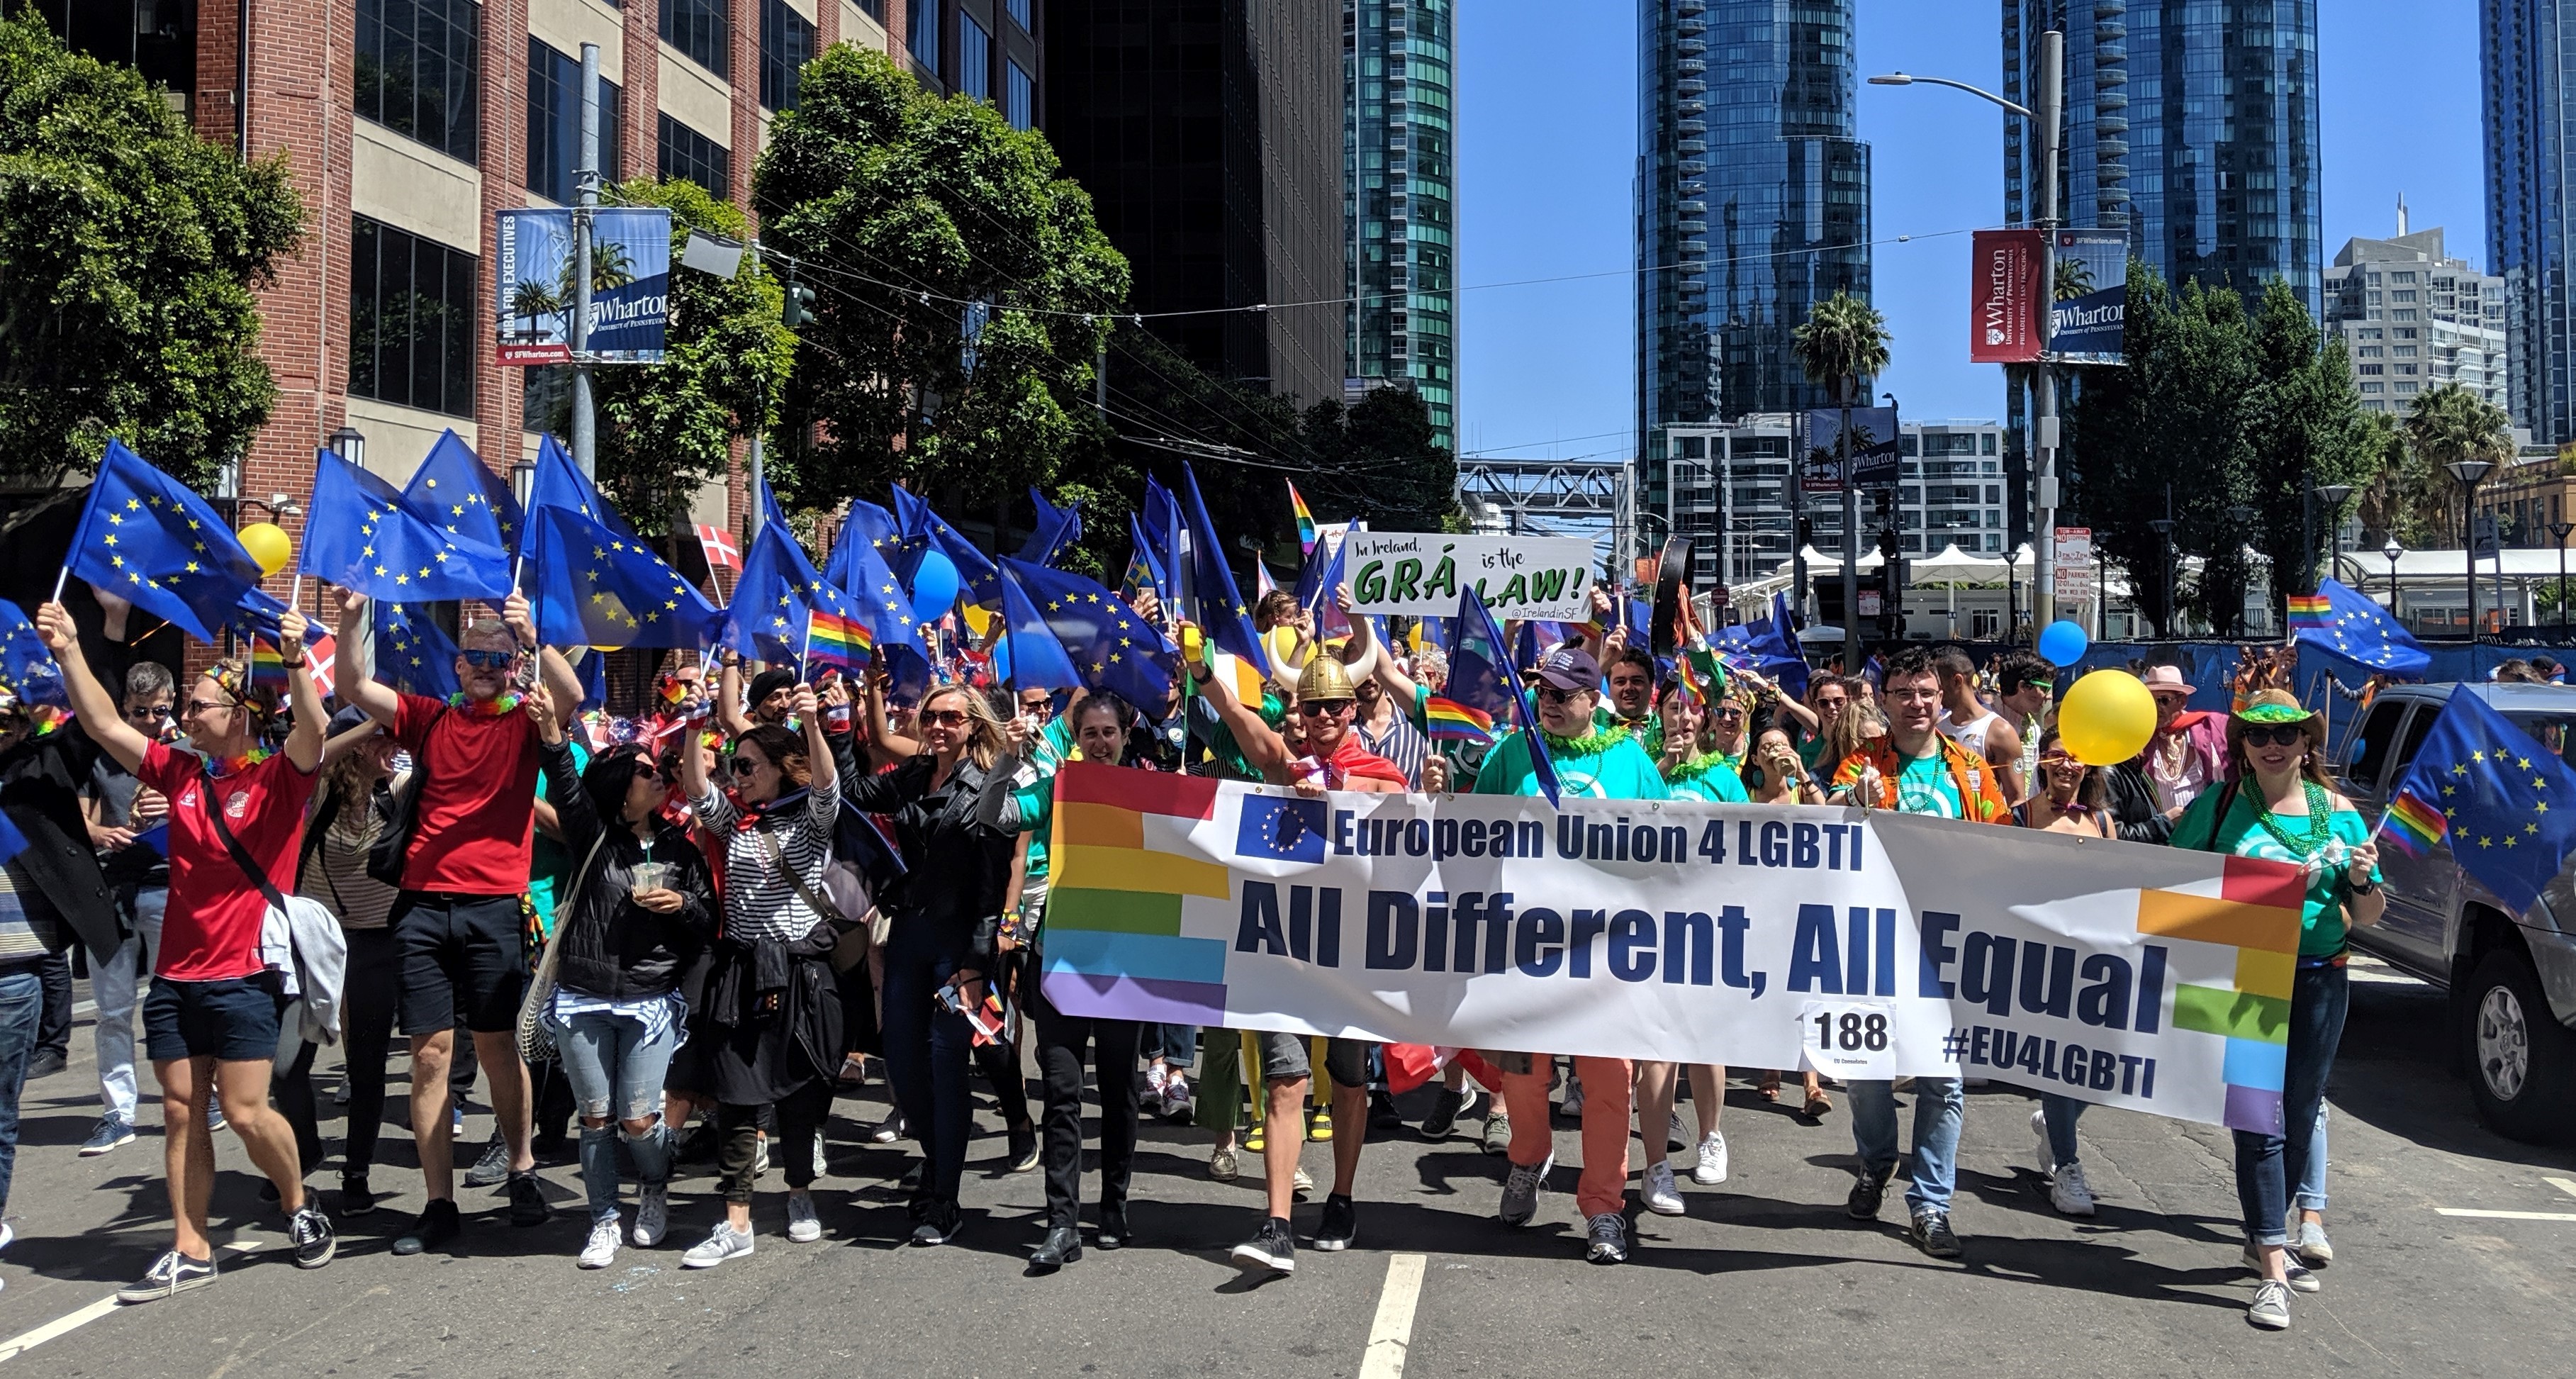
[{"x": 615, "y": 1065}]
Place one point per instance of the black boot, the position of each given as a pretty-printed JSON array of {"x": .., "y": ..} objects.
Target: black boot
[
  {"x": 1113, "y": 1233},
  {"x": 1063, "y": 1246}
]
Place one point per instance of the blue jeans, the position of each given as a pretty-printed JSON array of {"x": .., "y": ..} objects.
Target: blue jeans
[
  {"x": 2310, "y": 1195},
  {"x": 1940, "y": 1103},
  {"x": 2059, "y": 1114},
  {"x": 117, "y": 985},
  {"x": 22, "y": 1008},
  {"x": 2267, "y": 1165},
  {"x": 928, "y": 1055},
  {"x": 616, "y": 1071},
  {"x": 1177, "y": 1045}
]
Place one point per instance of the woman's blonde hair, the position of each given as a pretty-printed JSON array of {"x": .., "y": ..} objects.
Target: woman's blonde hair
[{"x": 986, "y": 742}]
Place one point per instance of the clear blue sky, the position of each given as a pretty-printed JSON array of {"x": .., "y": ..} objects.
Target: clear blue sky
[{"x": 1547, "y": 147}]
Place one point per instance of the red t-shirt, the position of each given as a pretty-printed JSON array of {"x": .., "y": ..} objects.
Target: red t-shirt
[
  {"x": 477, "y": 811},
  {"x": 211, "y": 929}
]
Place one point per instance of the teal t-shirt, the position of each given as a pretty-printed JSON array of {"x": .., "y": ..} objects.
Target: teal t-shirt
[
  {"x": 1051, "y": 749},
  {"x": 548, "y": 860},
  {"x": 2241, "y": 833},
  {"x": 1717, "y": 783},
  {"x": 1926, "y": 786},
  {"x": 1620, "y": 771}
]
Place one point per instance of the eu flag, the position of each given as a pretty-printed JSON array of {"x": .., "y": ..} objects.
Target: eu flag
[
  {"x": 1029, "y": 656},
  {"x": 361, "y": 535},
  {"x": 469, "y": 502},
  {"x": 766, "y": 618},
  {"x": 876, "y": 596},
  {"x": 2506, "y": 802},
  {"x": 2342, "y": 623},
  {"x": 1167, "y": 538},
  {"x": 597, "y": 588},
  {"x": 868, "y": 525},
  {"x": 1763, "y": 645},
  {"x": 146, "y": 536},
  {"x": 1280, "y": 829},
  {"x": 1057, "y": 529},
  {"x": 1144, "y": 569},
  {"x": 27, "y": 669},
  {"x": 1481, "y": 680},
  {"x": 1108, "y": 647},
  {"x": 412, "y": 654},
  {"x": 1221, "y": 610},
  {"x": 559, "y": 484},
  {"x": 924, "y": 530}
]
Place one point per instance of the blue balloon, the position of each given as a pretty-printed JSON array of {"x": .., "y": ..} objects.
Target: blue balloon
[
  {"x": 2062, "y": 643},
  {"x": 934, "y": 588}
]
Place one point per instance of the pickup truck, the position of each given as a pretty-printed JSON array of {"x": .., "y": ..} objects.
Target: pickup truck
[{"x": 2511, "y": 978}]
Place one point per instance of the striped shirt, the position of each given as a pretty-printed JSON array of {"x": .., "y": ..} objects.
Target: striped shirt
[
  {"x": 1401, "y": 743},
  {"x": 760, "y": 902},
  {"x": 18, "y": 941}
]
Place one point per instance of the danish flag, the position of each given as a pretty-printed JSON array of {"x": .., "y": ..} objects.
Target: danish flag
[{"x": 719, "y": 546}]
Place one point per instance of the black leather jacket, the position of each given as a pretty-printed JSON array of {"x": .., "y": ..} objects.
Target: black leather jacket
[
  {"x": 610, "y": 946},
  {"x": 2133, "y": 805},
  {"x": 956, "y": 866}
]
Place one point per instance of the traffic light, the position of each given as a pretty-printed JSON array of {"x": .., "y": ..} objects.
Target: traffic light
[{"x": 799, "y": 306}]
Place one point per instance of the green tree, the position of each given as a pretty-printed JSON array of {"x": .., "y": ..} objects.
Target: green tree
[
  {"x": 2305, "y": 427},
  {"x": 1842, "y": 344},
  {"x": 2449, "y": 424},
  {"x": 667, "y": 429},
  {"x": 130, "y": 251},
  {"x": 963, "y": 290}
]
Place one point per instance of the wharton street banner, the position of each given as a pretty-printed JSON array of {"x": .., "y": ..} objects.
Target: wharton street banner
[{"x": 1866, "y": 944}]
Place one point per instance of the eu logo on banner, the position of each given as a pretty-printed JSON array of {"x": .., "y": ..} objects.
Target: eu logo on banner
[{"x": 1287, "y": 830}]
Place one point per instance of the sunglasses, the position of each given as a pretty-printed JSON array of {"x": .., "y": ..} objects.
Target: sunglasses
[
  {"x": 1730, "y": 715},
  {"x": 1550, "y": 694},
  {"x": 148, "y": 713},
  {"x": 646, "y": 770},
  {"x": 943, "y": 718},
  {"x": 744, "y": 766},
  {"x": 196, "y": 706},
  {"x": 490, "y": 660},
  {"x": 2286, "y": 735},
  {"x": 1319, "y": 708}
]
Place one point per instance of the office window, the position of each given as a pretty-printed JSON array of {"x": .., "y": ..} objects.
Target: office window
[
  {"x": 687, "y": 153},
  {"x": 698, "y": 29},
  {"x": 974, "y": 59},
  {"x": 412, "y": 322},
  {"x": 921, "y": 31},
  {"x": 786, "y": 44},
  {"x": 1020, "y": 15},
  {"x": 1019, "y": 96},
  {"x": 554, "y": 124},
  {"x": 545, "y": 400},
  {"x": 417, "y": 72}
]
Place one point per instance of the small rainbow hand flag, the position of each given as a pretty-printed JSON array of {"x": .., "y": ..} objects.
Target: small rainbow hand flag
[
  {"x": 267, "y": 666},
  {"x": 1451, "y": 721},
  {"x": 833, "y": 640},
  {"x": 2311, "y": 613},
  {"x": 2413, "y": 826},
  {"x": 1305, "y": 520}
]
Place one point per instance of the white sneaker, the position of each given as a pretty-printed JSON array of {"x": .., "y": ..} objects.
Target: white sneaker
[
  {"x": 2047, "y": 1155},
  {"x": 600, "y": 1250},
  {"x": 1304, "y": 1181},
  {"x": 822, "y": 1165},
  {"x": 1711, "y": 1168},
  {"x": 652, "y": 1214},
  {"x": 721, "y": 1244},
  {"x": 760, "y": 1157},
  {"x": 802, "y": 1227},
  {"x": 1660, "y": 1194},
  {"x": 2068, "y": 1192}
]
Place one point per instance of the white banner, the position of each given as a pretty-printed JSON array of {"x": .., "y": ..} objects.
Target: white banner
[
  {"x": 1420, "y": 574},
  {"x": 1863, "y": 943}
]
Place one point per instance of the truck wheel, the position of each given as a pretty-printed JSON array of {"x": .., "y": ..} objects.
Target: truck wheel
[{"x": 2522, "y": 1062}]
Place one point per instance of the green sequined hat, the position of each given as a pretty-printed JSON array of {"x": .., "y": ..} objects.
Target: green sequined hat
[{"x": 2273, "y": 706}]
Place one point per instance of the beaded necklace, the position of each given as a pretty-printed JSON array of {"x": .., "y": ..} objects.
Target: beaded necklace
[
  {"x": 1599, "y": 740},
  {"x": 235, "y": 765},
  {"x": 1697, "y": 767},
  {"x": 493, "y": 707},
  {"x": 2320, "y": 826}
]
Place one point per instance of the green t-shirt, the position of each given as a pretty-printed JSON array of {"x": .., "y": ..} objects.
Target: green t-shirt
[
  {"x": 1620, "y": 771},
  {"x": 1926, "y": 786},
  {"x": 2242, "y": 834},
  {"x": 1719, "y": 783},
  {"x": 549, "y": 860},
  {"x": 1049, "y": 750},
  {"x": 1649, "y": 730}
]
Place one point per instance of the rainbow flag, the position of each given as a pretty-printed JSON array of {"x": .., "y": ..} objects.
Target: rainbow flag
[
  {"x": 267, "y": 666},
  {"x": 1305, "y": 520},
  {"x": 833, "y": 640},
  {"x": 2413, "y": 826},
  {"x": 2311, "y": 613},
  {"x": 1447, "y": 720}
]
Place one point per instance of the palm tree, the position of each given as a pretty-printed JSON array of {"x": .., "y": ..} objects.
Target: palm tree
[
  {"x": 530, "y": 300},
  {"x": 2450, "y": 424},
  {"x": 2074, "y": 279},
  {"x": 1842, "y": 344}
]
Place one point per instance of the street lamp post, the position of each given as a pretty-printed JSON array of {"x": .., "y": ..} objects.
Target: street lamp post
[
  {"x": 2163, "y": 528},
  {"x": 2047, "y": 121},
  {"x": 2468, "y": 472},
  {"x": 2332, "y": 496},
  {"x": 2392, "y": 550},
  {"x": 2560, "y": 530}
]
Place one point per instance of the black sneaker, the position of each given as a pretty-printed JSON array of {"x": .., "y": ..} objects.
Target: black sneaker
[
  {"x": 527, "y": 1201},
  {"x": 436, "y": 1225},
  {"x": 1932, "y": 1234},
  {"x": 45, "y": 1063},
  {"x": 1444, "y": 1114},
  {"x": 1341, "y": 1224},
  {"x": 1382, "y": 1112},
  {"x": 172, "y": 1273},
  {"x": 938, "y": 1224},
  {"x": 1024, "y": 1148},
  {"x": 311, "y": 1234},
  {"x": 1269, "y": 1248},
  {"x": 1866, "y": 1195},
  {"x": 356, "y": 1197},
  {"x": 493, "y": 1168}
]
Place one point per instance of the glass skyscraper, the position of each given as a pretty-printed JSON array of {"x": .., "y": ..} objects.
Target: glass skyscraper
[
  {"x": 1752, "y": 204},
  {"x": 2192, "y": 123},
  {"x": 2527, "y": 50},
  {"x": 1398, "y": 176}
]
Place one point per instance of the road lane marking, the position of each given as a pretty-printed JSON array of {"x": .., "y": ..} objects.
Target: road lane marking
[
  {"x": 1392, "y": 1333},
  {"x": 70, "y": 1322},
  {"x": 2565, "y": 1185},
  {"x": 2510, "y": 1215}
]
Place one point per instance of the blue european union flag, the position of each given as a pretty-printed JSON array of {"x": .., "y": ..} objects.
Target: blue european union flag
[
  {"x": 412, "y": 654},
  {"x": 1030, "y": 657},
  {"x": 2508, "y": 803},
  {"x": 1107, "y": 646},
  {"x": 12, "y": 842},
  {"x": 456, "y": 490},
  {"x": 27, "y": 669},
  {"x": 558, "y": 483},
  {"x": 1056, "y": 531},
  {"x": 766, "y": 618},
  {"x": 1163, "y": 532},
  {"x": 361, "y": 535},
  {"x": 924, "y": 530},
  {"x": 877, "y": 596},
  {"x": 1482, "y": 680},
  {"x": 146, "y": 536},
  {"x": 1763, "y": 645},
  {"x": 2351, "y": 626},
  {"x": 597, "y": 588},
  {"x": 1280, "y": 829},
  {"x": 867, "y": 525},
  {"x": 1220, "y": 610}
]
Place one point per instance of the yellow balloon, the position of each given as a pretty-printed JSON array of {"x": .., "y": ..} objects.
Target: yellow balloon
[
  {"x": 2106, "y": 718},
  {"x": 267, "y": 544},
  {"x": 1279, "y": 642},
  {"x": 979, "y": 619}
]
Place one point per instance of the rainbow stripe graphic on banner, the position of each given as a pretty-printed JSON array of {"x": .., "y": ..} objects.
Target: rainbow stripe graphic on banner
[
  {"x": 1121, "y": 868},
  {"x": 2311, "y": 613},
  {"x": 2256, "y": 912}
]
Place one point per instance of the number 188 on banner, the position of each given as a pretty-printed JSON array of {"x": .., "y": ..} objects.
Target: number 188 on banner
[{"x": 1848, "y": 1039}]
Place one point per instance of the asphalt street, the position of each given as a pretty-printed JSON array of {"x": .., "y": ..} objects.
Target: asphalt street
[{"x": 1763, "y": 1276}]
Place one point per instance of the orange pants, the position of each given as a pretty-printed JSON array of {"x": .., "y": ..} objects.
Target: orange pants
[{"x": 1604, "y": 1185}]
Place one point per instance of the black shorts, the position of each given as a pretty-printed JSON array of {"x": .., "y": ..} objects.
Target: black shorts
[
  {"x": 1284, "y": 1058},
  {"x": 232, "y": 1021},
  {"x": 461, "y": 955}
]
